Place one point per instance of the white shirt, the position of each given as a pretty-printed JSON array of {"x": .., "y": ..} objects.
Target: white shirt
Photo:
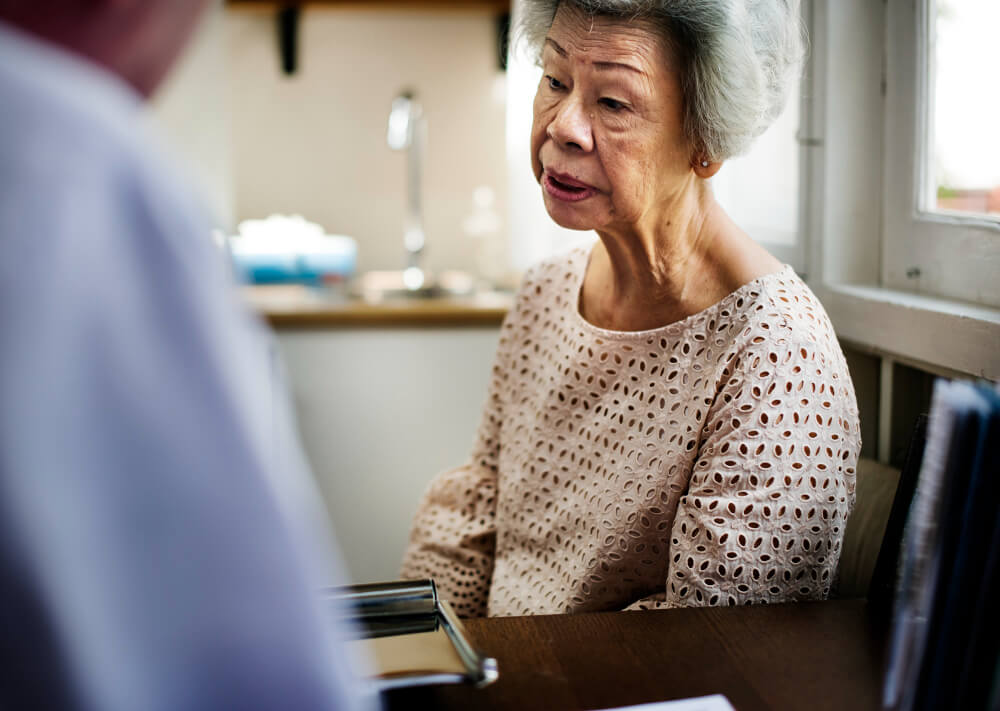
[{"x": 153, "y": 553}]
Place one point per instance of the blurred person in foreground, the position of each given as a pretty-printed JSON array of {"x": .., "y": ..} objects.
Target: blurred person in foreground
[
  {"x": 671, "y": 421},
  {"x": 160, "y": 547}
]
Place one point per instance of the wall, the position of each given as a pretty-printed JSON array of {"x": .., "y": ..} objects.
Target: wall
[
  {"x": 191, "y": 108},
  {"x": 314, "y": 143}
]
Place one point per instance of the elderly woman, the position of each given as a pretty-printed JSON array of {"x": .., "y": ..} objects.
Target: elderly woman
[{"x": 670, "y": 421}]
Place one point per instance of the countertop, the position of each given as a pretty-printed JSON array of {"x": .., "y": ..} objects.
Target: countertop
[{"x": 296, "y": 306}]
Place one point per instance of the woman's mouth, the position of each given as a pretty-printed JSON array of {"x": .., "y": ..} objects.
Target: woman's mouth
[{"x": 563, "y": 187}]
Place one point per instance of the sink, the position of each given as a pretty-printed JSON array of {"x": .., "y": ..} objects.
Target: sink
[{"x": 412, "y": 283}]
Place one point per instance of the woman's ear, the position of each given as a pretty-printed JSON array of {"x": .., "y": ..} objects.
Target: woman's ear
[{"x": 705, "y": 168}]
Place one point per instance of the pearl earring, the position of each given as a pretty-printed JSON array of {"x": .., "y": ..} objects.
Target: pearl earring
[{"x": 704, "y": 164}]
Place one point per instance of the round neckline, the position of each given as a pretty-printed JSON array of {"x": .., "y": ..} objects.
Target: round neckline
[{"x": 584, "y": 256}]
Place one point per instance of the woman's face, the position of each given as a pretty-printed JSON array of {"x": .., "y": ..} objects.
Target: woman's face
[{"x": 608, "y": 143}]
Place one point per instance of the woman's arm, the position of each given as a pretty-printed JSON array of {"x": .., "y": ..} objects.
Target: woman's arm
[
  {"x": 453, "y": 537},
  {"x": 763, "y": 519}
]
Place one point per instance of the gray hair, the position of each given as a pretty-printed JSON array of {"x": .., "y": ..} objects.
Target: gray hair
[{"x": 738, "y": 58}]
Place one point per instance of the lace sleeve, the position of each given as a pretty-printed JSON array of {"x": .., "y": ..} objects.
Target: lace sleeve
[
  {"x": 453, "y": 536},
  {"x": 763, "y": 518}
]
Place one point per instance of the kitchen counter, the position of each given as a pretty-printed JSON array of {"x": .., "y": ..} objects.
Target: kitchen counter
[{"x": 297, "y": 306}]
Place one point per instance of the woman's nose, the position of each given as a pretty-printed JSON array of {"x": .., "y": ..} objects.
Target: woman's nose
[{"x": 571, "y": 127}]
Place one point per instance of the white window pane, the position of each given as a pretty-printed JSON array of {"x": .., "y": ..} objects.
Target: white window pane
[
  {"x": 964, "y": 140},
  {"x": 760, "y": 190}
]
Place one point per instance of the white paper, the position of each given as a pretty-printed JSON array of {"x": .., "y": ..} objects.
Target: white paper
[{"x": 716, "y": 702}]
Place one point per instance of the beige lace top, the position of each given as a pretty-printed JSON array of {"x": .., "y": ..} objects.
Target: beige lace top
[{"x": 708, "y": 462}]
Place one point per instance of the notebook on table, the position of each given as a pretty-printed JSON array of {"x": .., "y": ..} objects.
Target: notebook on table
[{"x": 410, "y": 635}]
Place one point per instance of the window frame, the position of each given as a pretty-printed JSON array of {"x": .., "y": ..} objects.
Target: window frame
[
  {"x": 856, "y": 158},
  {"x": 943, "y": 254}
]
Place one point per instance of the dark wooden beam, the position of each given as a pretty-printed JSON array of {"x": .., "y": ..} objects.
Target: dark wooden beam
[
  {"x": 491, "y": 5},
  {"x": 288, "y": 36}
]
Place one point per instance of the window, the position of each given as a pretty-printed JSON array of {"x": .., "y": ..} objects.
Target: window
[
  {"x": 942, "y": 150},
  {"x": 900, "y": 278},
  {"x": 962, "y": 142}
]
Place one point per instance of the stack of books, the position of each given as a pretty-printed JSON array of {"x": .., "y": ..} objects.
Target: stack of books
[{"x": 945, "y": 636}]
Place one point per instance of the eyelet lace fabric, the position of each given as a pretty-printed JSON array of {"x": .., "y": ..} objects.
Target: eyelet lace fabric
[{"x": 708, "y": 462}]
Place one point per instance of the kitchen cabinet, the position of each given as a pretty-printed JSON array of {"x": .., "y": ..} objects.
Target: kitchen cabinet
[
  {"x": 381, "y": 411},
  {"x": 386, "y": 395}
]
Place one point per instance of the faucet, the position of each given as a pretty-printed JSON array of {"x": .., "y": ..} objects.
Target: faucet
[{"x": 407, "y": 131}]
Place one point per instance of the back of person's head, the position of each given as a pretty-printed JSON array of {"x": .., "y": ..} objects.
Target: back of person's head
[{"x": 138, "y": 40}]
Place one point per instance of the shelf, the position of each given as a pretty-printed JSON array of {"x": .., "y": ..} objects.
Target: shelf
[
  {"x": 294, "y": 306},
  {"x": 492, "y": 5}
]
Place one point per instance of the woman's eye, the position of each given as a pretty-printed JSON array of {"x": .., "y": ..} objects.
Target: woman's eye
[
  {"x": 553, "y": 82},
  {"x": 612, "y": 104}
]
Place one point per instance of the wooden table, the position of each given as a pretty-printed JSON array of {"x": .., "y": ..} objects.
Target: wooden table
[{"x": 811, "y": 656}]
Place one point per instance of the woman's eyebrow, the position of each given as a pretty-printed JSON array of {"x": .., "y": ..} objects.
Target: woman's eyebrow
[
  {"x": 600, "y": 65},
  {"x": 619, "y": 65},
  {"x": 555, "y": 45}
]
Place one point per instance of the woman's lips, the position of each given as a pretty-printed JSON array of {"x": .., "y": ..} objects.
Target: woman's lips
[{"x": 563, "y": 187}]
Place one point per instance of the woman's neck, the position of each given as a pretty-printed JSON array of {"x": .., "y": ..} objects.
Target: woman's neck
[{"x": 647, "y": 276}]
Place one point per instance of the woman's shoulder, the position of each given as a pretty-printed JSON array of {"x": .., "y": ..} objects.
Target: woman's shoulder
[
  {"x": 777, "y": 319},
  {"x": 563, "y": 269},
  {"x": 780, "y": 306},
  {"x": 553, "y": 282},
  {"x": 788, "y": 338},
  {"x": 542, "y": 317},
  {"x": 788, "y": 349}
]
